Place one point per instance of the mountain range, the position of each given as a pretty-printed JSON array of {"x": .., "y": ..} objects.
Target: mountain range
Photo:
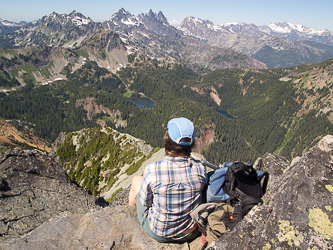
[
  {"x": 11, "y": 23},
  {"x": 198, "y": 43},
  {"x": 9, "y": 26},
  {"x": 275, "y": 45}
]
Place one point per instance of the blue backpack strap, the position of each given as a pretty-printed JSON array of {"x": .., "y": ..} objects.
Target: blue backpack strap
[{"x": 215, "y": 186}]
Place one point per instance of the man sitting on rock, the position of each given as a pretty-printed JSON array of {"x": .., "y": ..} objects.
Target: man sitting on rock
[{"x": 170, "y": 189}]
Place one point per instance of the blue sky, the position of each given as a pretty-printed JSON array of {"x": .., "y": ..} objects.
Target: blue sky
[{"x": 315, "y": 14}]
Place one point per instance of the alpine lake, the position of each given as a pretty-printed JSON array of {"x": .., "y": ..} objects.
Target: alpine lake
[
  {"x": 225, "y": 113},
  {"x": 144, "y": 102}
]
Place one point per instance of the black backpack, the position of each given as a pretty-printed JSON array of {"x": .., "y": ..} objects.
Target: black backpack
[
  {"x": 245, "y": 185},
  {"x": 240, "y": 187}
]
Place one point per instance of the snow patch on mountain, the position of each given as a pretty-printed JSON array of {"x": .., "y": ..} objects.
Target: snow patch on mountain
[
  {"x": 130, "y": 22},
  {"x": 196, "y": 20},
  {"x": 11, "y": 23},
  {"x": 75, "y": 17},
  {"x": 124, "y": 17},
  {"x": 233, "y": 23},
  {"x": 80, "y": 21},
  {"x": 286, "y": 28},
  {"x": 175, "y": 23}
]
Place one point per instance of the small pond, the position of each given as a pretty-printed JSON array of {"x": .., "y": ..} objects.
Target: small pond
[
  {"x": 142, "y": 102},
  {"x": 225, "y": 113}
]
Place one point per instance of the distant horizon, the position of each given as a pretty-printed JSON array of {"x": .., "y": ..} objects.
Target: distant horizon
[{"x": 314, "y": 14}]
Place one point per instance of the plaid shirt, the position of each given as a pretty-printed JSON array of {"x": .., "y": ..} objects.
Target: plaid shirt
[{"x": 171, "y": 189}]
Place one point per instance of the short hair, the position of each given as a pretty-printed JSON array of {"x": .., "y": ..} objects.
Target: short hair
[{"x": 173, "y": 149}]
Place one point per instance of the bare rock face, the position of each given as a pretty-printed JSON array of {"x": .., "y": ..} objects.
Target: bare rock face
[
  {"x": 34, "y": 189},
  {"x": 297, "y": 212},
  {"x": 114, "y": 227}
]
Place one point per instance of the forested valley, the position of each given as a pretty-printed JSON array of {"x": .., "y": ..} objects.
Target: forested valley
[{"x": 266, "y": 108}]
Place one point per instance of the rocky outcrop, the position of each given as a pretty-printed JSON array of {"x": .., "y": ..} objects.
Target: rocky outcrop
[
  {"x": 34, "y": 189},
  {"x": 297, "y": 214},
  {"x": 115, "y": 227},
  {"x": 94, "y": 108},
  {"x": 207, "y": 136}
]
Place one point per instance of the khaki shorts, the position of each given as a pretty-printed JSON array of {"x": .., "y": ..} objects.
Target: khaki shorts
[{"x": 143, "y": 218}]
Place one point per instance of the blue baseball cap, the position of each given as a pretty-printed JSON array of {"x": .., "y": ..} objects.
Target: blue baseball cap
[{"x": 179, "y": 128}]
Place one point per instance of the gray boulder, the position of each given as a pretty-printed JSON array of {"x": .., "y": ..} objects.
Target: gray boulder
[{"x": 115, "y": 227}]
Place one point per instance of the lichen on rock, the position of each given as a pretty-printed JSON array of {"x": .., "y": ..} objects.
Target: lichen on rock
[
  {"x": 321, "y": 223},
  {"x": 289, "y": 234}
]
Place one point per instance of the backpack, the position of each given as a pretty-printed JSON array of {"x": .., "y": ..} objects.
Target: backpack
[
  {"x": 215, "y": 219},
  {"x": 231, "y": 193},
  {"x": 236, "y": 181}
]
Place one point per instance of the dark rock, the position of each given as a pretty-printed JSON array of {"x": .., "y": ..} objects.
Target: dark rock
[
  {"x": 122, "y": 197},
  {"x": 34, "y": 189},
  {"x": 159, "y": 24},
  {"x": 275, "y": 165},
  {"x": 59, "y": 141}
]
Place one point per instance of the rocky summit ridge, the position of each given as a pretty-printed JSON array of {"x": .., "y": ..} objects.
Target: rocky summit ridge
[{"x": 297, "y": 211}]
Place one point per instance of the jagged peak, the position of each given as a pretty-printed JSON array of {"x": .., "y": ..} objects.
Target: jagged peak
[
  {"x": 125, "y": 17},
  {"x": 75, "y": 17},
  {"x": 74, "y": 13},
  {"x": 151, "y": 13},
  {"x": 121, "y": 12},
  {"x": 160, "y": 17},
  {"x": 196, "y": 20}
]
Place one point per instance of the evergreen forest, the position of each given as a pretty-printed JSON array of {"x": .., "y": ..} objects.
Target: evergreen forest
[{"x": 266, "y": 109}]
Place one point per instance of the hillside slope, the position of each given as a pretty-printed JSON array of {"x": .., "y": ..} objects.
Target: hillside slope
[
  {"x": 10, "y": 137},
  {"x": 101, "y": 158},
  {"x": 43, "y": 65},
  {"x": 275, "y": 110}
]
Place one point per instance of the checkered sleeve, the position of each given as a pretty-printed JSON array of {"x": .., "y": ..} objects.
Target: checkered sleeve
[{"x": 146, "y": 194}]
